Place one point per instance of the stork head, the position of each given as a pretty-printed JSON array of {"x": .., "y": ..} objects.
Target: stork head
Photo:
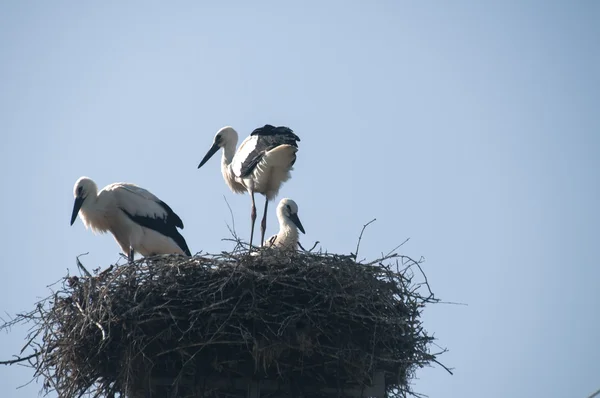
[
  {"x": 83, "y": 188},
  {"x": 225, "y": 137},
  {"x": 288, "y": 210}
]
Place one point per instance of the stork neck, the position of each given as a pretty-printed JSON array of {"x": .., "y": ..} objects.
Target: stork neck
[
  {"x": 228, "y": 153},
  {"x": 93, "y": 211},
  {"x": 287, "y": 238},
  {"x": 288, "y": 230},
  {"x": 90, "y": 200}
]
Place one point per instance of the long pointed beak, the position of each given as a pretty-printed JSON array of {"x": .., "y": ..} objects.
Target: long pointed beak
[
  {"x": 296, "y": 221},
  {"x": 213, "y": 149},
  {"x": 76, "y": 207}
]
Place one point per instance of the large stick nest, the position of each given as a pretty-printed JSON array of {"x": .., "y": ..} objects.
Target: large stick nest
[{"x": 310, "y": 321}]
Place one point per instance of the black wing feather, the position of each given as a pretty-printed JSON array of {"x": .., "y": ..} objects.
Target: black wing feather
[
  {"x": 268, "y": 129},
  {"x": 269, "y": 137},
  {"x": 166, "y": 226},
  {"x": 171, "y": 216}
]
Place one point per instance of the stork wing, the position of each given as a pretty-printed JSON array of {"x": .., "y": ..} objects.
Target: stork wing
[
  {"x": 268, "y": 129},
  {"x": 145, "y": 208},
  {"x": 262, "y": 140}
]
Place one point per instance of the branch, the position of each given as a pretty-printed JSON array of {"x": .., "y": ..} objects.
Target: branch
[
  {"x": 232, "y": 228},
  {"x": 81, "y": 267},
  {"x": 19, "y": 359},
  {"x": 311, "y": 249},
  {"x": 360, "y": 238},
  {"x": 442, "y": 365},
  {"x": 91, "y": 320},
  {"x": 595, "y": 394},
  {"x": 431, "y": 295},
  {"x": 397, "y": 247}
]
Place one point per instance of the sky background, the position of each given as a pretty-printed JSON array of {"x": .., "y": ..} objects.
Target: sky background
[{"x": 470, "y": 127}]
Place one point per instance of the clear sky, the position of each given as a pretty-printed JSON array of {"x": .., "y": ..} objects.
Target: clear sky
[{"x": 470, "y": 127}]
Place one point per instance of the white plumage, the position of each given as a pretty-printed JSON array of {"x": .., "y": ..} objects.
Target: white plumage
[
  {"x": 261, "y": 164},
  {"x": 289, "y": 224},
  {"x": 139, "y": 221}
]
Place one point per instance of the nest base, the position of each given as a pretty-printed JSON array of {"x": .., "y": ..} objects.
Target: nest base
[
  {"x": 244, "y": 387},
  {"x": 278, "y": 324}
]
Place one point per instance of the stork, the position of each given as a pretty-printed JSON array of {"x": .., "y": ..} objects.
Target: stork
[
  {"x": 261, "y": 164},
  {"x": 289, "y": 224},
  {"x": 139, "y": 221}
]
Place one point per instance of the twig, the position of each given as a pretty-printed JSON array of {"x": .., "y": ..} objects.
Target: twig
[
  {"x": 81, "y": 267},
  {"x": 19, "y": 359},
  {"x": 425, "y": 277},
  {"x": 232, "y": 231},
  {"x": 451, "y": 303},
  {"x": 397, "y": 247},
  {"x": 35, "y": 334},
  {"x": 311, "y": 249},
  {"x": 91, "y": 320},
  {"x": 360, "y": 238},
  {"x": 442, "y": 365},
  {"x": 595, "y": 394}
]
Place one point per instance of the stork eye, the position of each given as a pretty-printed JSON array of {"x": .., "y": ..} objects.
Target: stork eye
[
  {"x": 79, "y": 190},
  {"x": 289, "y": 208}
]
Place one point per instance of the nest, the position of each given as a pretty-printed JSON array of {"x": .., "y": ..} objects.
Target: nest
[{"x": 305, "y": 324}]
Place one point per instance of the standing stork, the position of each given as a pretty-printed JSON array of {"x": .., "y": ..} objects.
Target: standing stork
[
  {"x": 289, "y": 224},
  {"x": 138, "y": 220},
  {"x": 261, "y": 164}
]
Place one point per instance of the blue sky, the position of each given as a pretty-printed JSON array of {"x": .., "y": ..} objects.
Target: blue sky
[{"x": 471, "y": 128}]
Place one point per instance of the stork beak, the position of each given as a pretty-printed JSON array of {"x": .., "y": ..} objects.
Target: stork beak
[
  {"x": 213, "y": 149},
  {"x": 296, "y": 221},
  {"x": 76, "y": 207}
]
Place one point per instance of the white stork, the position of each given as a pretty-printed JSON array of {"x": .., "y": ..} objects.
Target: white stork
[
  {"x": 261, "y": 164},
  {"x": 289, "y": 224},
  {"x": 139, "y": 221}
]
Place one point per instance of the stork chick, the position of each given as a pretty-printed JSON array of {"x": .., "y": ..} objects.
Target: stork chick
[{"x": 289, "y": 224}]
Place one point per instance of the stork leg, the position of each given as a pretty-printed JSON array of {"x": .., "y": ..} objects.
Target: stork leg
[
  {"x": 263, "y": 223},
  {"x": 131, "y": 253},
  {"x": 253, "y": 217}
]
